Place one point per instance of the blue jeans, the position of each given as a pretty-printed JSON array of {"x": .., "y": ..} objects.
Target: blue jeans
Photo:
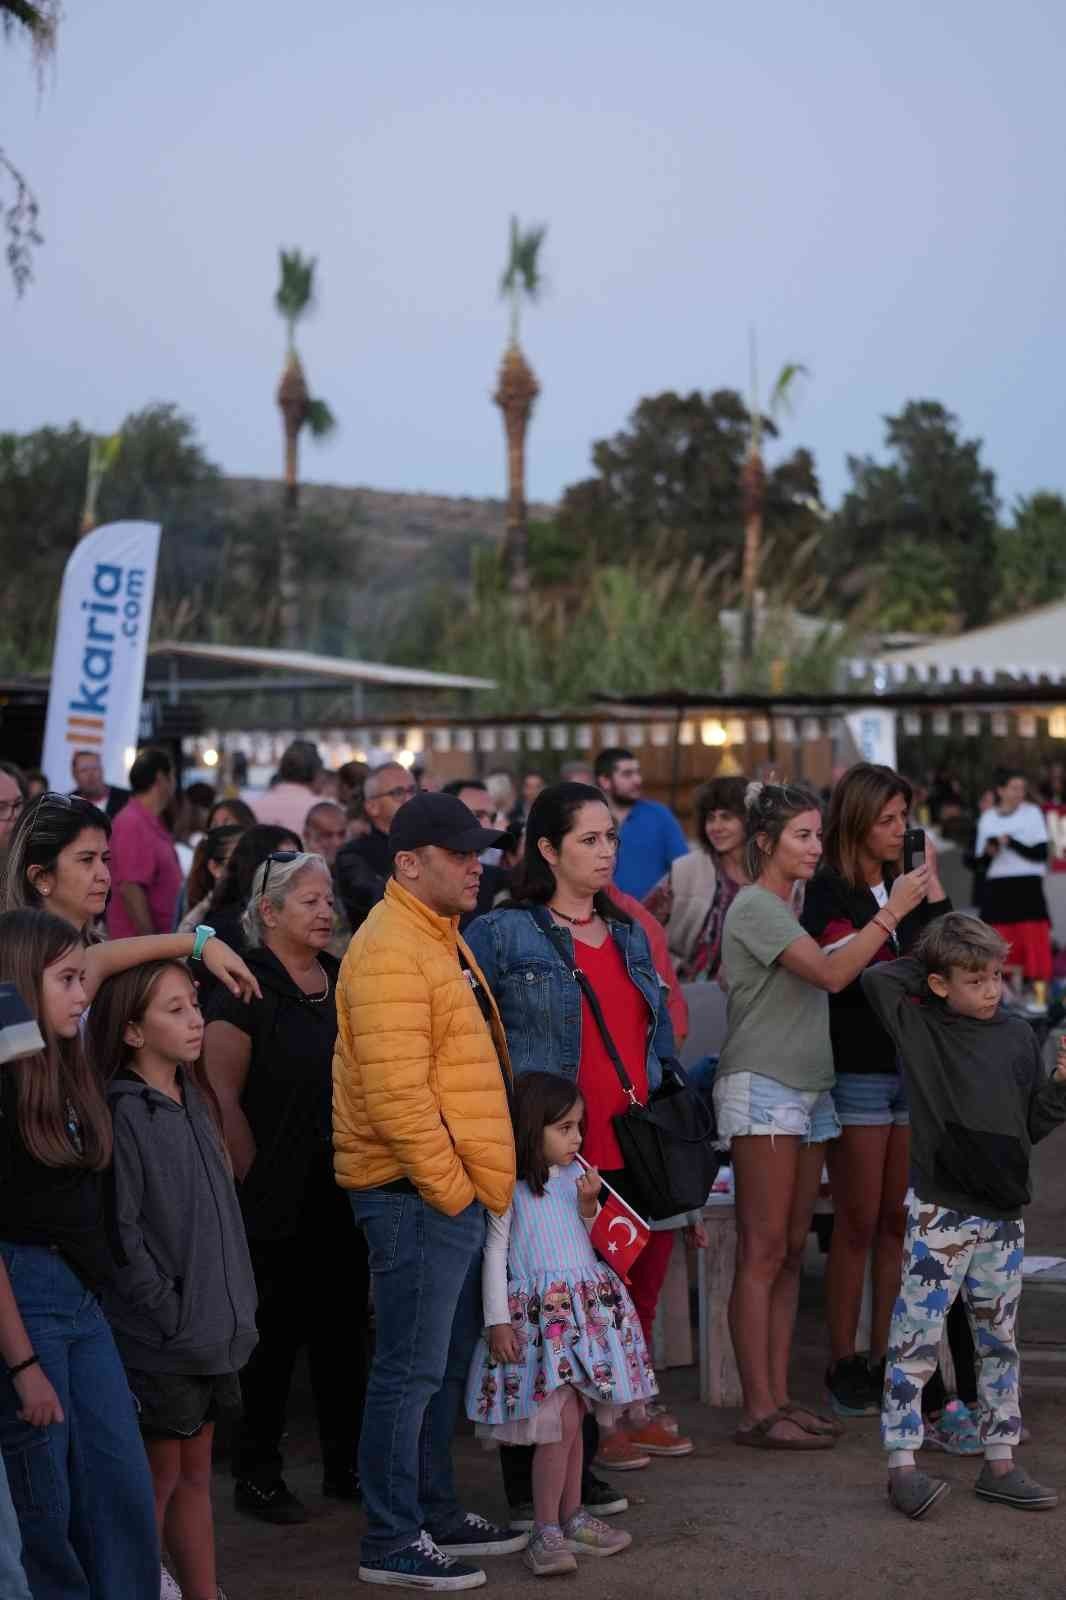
[
  {"x": 13, "y": 1584},
  {"x": 426, "y": 1272},
  {"x": 81, "y": 1488}
]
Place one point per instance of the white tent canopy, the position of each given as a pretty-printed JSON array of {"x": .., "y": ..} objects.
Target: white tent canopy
[
  {"x": 337, "y": 668},
  {"x": 1026, "y": 649}
]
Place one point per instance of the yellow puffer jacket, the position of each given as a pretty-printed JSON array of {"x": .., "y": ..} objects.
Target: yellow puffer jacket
[{"x": 418, "y": 1088}]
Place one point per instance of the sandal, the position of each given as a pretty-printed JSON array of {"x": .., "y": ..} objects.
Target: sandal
[
  {"x": 759, "y": 1436},
  {"x": 817, "y": 1422}
]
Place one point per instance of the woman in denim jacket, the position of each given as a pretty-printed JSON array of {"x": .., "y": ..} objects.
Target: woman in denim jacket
[{"x": 562, "y": 881}]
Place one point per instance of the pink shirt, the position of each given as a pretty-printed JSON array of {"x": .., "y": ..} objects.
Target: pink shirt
[
  {"x": 286, "y": 805},
  {"x": 142, "y": 851}
]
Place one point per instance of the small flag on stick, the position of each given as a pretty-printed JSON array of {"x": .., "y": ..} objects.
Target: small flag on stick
[{"x": 618, "y": 1233}]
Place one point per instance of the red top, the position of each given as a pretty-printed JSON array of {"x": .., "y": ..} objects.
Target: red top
[
  {"x": 142, "y": 851},
  {"x": 625, "y": 1011}
]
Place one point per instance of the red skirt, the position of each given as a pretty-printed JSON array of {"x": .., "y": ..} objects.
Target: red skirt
[{"x": 1030, "y": 947}]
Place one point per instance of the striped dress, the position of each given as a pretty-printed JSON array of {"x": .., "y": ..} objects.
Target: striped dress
[{"x": 574, "y": 1319}]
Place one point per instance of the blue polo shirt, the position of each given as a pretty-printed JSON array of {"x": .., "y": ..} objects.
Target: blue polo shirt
[{"x": 650, "y": 840}]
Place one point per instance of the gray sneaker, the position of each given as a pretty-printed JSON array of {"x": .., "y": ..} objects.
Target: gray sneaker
[
  {"x": 548, "y": 1553},
  {"x": 914, "y": 1492},
  {"x": 1015, "y": 1488}
]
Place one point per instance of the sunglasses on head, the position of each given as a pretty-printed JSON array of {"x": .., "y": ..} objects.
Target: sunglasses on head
[{"x": 280, "y": 856}]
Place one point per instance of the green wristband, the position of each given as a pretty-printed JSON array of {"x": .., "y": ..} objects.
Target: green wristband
[{"x": 203, "y": 933}]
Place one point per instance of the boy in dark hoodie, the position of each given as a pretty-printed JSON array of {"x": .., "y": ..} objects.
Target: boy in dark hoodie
[{"x": 979, "y": 1101}]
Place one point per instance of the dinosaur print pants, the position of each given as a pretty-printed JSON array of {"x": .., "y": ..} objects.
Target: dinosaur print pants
[{"x": 945, "y": 1254}]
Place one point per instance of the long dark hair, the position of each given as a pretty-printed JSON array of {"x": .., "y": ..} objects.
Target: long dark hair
[
  {"x": 540, "y": 1098},
  {"x": 123, "y": 999},
  {"x": 212, "y": 848},
  {"x": 854, "y": 806},
  {"x": 58, "y": 1078},
  {"x": 551, "y": 817},
  {"x": 237, "y": 808},
  {"x": 42, "y": 832},
  {"x": 251, "y": 849}
]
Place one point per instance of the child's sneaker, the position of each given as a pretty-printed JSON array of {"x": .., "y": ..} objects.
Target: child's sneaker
[
  {"x": 656, "y": 1438},
  {"x": 1014, "y": 1488},
  {"x": 616, "y": 1454},
  {"x": 914, "y": 1492},
  {"x": 421, "y": 1566},
  {"x": 168, "y": 1587},
  {"x": 591, "y": 1537},
  {"x": 954, "y": 1431},
  {"x": 548, "y": 1553},
  {"x": 601, "y": 1499}
]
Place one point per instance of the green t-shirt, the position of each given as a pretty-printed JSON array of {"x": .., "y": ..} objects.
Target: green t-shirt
[{"x": 778, "y": 1025}]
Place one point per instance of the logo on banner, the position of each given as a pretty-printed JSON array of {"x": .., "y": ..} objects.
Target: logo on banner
[{"x": 105, "y": 613}]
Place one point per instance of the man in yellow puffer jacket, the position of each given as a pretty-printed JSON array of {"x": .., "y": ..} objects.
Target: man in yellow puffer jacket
[{"x": 423, "y": 1143}]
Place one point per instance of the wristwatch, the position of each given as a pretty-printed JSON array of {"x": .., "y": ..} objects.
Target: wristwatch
[{"x": 200, "y": 938}]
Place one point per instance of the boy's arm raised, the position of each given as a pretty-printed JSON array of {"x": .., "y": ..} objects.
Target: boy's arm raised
[{"x": 891, "y": 987}]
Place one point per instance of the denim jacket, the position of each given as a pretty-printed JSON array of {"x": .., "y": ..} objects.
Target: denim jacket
[{"x": 539, "y": 999}]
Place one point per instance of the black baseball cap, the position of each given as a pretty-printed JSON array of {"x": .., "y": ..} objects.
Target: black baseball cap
[{"x": 440, "y": 819}]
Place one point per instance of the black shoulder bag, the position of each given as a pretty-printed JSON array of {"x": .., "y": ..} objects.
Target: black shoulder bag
[{"x": 668, "y": 1144}]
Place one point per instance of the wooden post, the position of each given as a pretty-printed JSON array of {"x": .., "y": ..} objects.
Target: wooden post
[
  {"x": 672, "y": 1333},
  {"x": 719, "y": 1378}
]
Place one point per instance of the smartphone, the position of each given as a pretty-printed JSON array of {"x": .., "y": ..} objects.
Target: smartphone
[{"x": 913, "y": 849}]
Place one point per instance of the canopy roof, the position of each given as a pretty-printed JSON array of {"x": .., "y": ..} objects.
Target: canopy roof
[
  {"x": 302, "y": 663},
  {"x": 1027, "y": 648}
]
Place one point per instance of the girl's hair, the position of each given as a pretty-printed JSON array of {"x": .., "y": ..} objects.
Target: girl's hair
[
  {"x": 123, "y": 999},
  {"x": 252, "y": 848},
  {"x": 551, "y": 817},
  {"x": 44, "y": 829},
  {"x": 771, "y": 807},
  {"x": 212, "y": 848},
  {"x": 237, "y": 808},
  {"x": 856, "y": 803},
  {"x": 59, "y": 1079},
  {"x": 720, "y": 794},
  {"x": 540, "y": 1098},
  {"x": 278, "y": 878}
]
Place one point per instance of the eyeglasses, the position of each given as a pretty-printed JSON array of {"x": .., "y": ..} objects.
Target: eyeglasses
[
  {"x": 281, "y": 857},
  {"x": 399, "y": 793},
  {"x": 10, "y": 808}
]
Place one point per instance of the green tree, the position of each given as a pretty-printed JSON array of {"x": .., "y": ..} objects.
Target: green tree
[
  {"x": 34, "y": 21},
  {"x": 1032, "y": 554},
  {"x": 935, "y": 497},
  {"x": 516, "y": 391},
  {"x": 677, "y": 467}
]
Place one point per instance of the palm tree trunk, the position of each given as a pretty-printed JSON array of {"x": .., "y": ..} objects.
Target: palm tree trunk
[
  {"x": 753, "y": 494},
  {"x": 515, "y": 395},
  {"x": 292, "y": 398}
]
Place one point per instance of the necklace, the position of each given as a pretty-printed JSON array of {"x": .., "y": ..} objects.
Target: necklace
[
  {"x": 576, "y": 922},
  {"x": 319, "y": 999}
]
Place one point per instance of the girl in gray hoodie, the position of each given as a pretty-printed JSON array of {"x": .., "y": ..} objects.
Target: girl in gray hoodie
[{"x": 182, "y": 1306}]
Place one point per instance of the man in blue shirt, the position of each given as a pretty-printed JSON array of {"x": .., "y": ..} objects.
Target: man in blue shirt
[{"x": 650, "y": 836}]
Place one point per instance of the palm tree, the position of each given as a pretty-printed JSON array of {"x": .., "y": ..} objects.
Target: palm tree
[
  {"x": 516, "y": 391},
  {"x": 753, "y": 486},
  {"x": 103, "y": 453},
  {"x": 294, "y": 300}
]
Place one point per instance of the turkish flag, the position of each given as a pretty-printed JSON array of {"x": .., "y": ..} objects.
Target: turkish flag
[{"x": 619, "y": 1234}]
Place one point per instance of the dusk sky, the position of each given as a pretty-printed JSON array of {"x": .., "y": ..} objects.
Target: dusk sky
[{"x": 879, "y": 189}]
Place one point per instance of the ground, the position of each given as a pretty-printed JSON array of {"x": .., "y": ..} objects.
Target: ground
[{"x": 738, "y": 1524}]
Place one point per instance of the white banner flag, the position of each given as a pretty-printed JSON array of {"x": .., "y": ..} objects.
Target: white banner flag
[
  {"x": 105, "y": 613},
  {"x": 874, "y": 733}
]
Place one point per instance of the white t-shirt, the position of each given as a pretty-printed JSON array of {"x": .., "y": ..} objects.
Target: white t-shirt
[{"x": 1028, "y": 826}]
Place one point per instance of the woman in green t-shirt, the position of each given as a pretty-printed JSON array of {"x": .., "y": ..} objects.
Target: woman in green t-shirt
[{"x": 774, "y": 1078}]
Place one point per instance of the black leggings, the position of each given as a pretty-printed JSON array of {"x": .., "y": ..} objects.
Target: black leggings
[{"x": 935, "y": 1397}]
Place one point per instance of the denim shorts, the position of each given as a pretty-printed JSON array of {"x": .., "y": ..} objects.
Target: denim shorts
[
  {"x": 746, "y": 1102},
  {"x": 871, "y": 1099}
]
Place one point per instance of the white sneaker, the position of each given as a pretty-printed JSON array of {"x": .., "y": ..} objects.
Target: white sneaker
[{"x": 168, "y": 1587}]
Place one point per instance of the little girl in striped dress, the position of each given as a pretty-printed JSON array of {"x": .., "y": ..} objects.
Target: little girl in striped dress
[{"x": 561, "y": 1333}]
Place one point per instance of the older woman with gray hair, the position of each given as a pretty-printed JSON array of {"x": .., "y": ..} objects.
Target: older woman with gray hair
[{"x": 270, "y": 1064}]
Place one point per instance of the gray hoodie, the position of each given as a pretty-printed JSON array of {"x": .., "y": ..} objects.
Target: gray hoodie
[{"x": 184, "y": 1300}]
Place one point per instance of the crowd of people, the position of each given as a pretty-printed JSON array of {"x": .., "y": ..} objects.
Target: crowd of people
[{"x": 353, "y": 1079}]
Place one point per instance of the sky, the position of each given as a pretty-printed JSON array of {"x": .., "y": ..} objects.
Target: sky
[{"x": 877, "y": 189}]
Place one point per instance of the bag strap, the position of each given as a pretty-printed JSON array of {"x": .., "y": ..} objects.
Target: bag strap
[{"x": 558, "y": 938}]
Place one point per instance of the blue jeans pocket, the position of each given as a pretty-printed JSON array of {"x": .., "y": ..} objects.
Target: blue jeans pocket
[
  {"x": 32, "y": 1476},
  {"x": 381, "y": 1220}
]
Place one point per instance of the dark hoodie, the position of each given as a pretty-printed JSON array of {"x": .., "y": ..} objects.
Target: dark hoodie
[
  {"x": 184, "y": 1302},
  {"x": 979, "y": 1096}
]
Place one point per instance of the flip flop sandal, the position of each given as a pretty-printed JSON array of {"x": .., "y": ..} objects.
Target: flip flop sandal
[
  {"x": 817, "y": 1422},
  {"x": 759, "y": 1437}
]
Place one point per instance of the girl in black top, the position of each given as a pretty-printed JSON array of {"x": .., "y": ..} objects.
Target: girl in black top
[
  {"x": 68, "y": 1426},
  {"x": 868, "y": 1164}
]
